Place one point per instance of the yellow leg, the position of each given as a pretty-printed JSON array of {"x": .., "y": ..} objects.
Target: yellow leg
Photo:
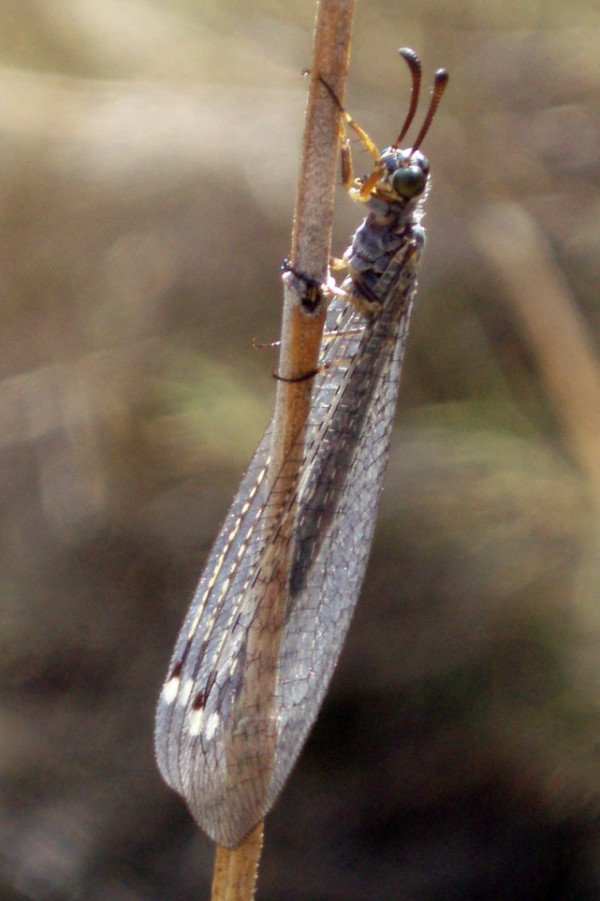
[{"x": 346, "y": 156}]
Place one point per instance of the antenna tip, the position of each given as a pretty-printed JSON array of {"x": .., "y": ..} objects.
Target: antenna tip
[{"x": 411, "y": 57}]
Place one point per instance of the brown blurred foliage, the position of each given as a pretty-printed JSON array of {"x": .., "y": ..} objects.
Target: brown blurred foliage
[{"x": 148, "y": 160}]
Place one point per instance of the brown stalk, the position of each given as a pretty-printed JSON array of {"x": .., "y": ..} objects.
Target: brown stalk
[{"x": 236, "y": 869}]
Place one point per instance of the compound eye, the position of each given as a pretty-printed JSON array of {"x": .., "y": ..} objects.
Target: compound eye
[{"x": 409, "y": 182}]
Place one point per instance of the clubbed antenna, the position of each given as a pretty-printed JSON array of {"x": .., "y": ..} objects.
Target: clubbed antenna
[
  {"x": 414, "y": 64},
  {"x": 439, "y": 86}
]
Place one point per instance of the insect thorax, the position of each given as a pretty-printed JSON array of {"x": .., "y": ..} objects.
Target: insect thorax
[{"x": 392, "y": 225}]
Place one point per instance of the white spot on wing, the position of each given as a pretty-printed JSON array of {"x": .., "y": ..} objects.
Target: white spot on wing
[
  {"x": 196, "y": 718},
  {"x": 170, "y": 690}
]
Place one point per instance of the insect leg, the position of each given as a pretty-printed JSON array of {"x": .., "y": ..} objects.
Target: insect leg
[{"x": 346, "y": 156}]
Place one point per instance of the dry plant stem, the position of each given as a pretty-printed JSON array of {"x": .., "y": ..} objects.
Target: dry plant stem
[
  {"x": 236, "y": 869},
  {"x": 569, "y": 365},
  {"x": 311, "y": 238}
]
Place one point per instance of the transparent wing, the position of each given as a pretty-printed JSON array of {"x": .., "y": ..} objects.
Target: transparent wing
[
  {"x": 227, "y": 754},
  {"x": 337, "y": 514}
]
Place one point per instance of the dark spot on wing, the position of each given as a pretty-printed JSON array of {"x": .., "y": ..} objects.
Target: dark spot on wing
[{"x": 176, "y": 671}]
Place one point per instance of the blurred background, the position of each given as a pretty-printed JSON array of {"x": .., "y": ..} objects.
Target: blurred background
[{"x": 148, "y": 162}]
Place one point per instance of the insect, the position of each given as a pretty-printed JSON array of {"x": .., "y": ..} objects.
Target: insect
[{"x": 257, "y": 648}]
